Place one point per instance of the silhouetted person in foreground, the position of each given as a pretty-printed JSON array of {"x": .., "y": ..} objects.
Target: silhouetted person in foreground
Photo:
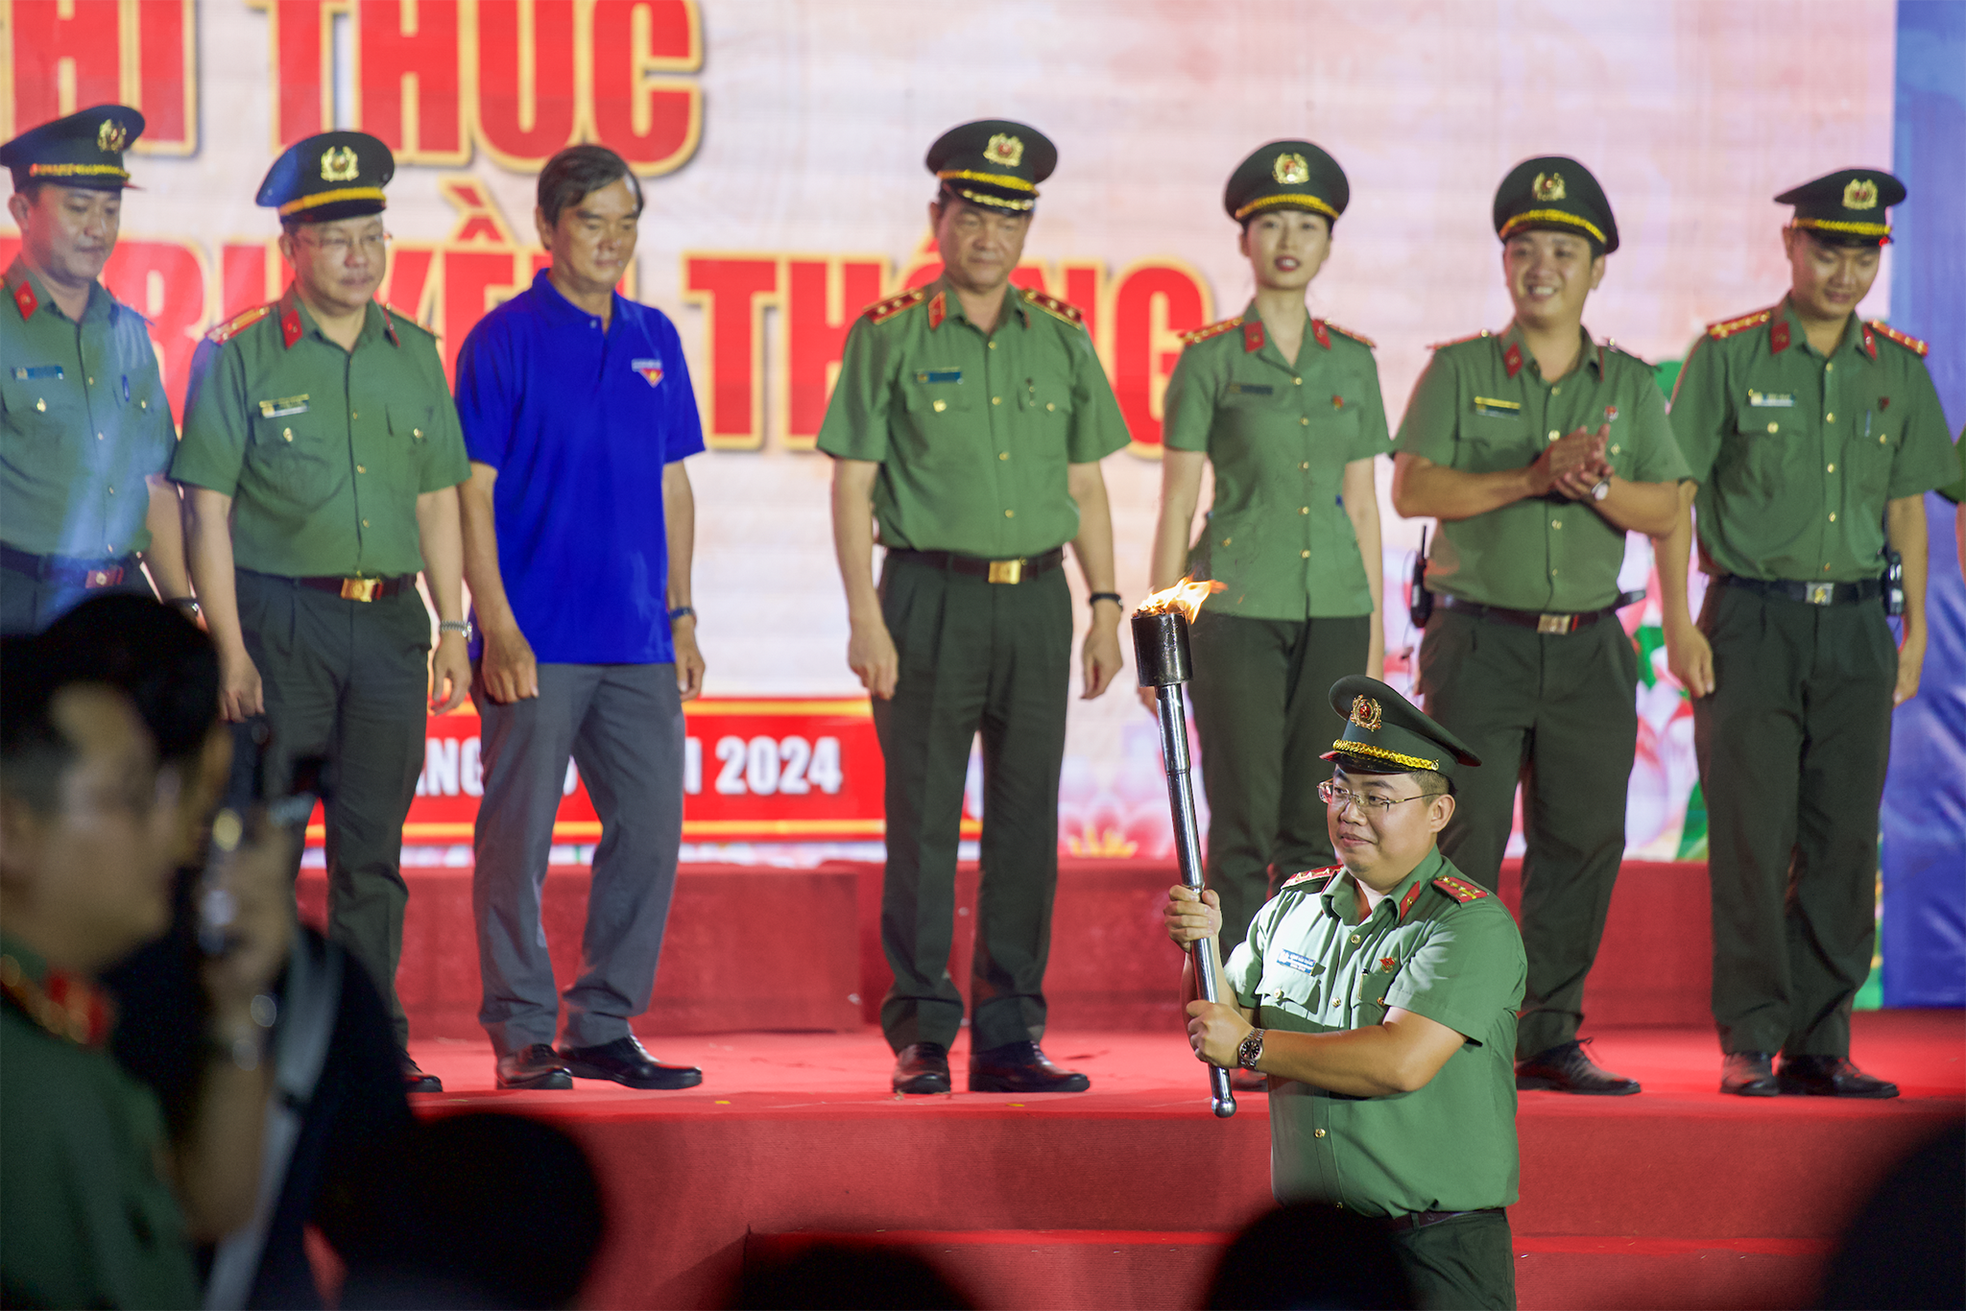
[
  {"x": 833, "y": 1276},
  {"x": 1308, "y": 1256},
  {"x": 1907, "y": 1247}
]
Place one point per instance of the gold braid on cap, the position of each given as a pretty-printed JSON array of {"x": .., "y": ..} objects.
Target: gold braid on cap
[
  {"x": 77, "y": 170},
  {"x": 1287, "y": 202},
  {"x": 1382, "y": 753},
  {"x": 995, "y": 202},
  {"x": 1837, "y": 225},
  {"x": 330, "y": 197},
  {"x": 1529, "y": 216},
  {"x": 994, "y": 179}
]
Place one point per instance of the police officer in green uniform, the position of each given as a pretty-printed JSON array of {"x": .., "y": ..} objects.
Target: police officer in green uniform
[
  {"x": 85, "y": 430},
  {"x": 321, "y": 457},
  {"x": 969, "y": 421},
  {"x": 1538, "y": 450},
  {"x": 1383, "y": 994},
  {"x": 1287, "y": 409},
  {"x": 1813, "y": 437}
]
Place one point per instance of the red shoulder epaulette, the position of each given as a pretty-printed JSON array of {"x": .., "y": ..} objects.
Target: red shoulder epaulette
[
  {"x": 1359, "y": 337},
  {"x": 1055, "y": 307},
  {"x": 1912, "y": 344},
  {"x": 238, "y": 323},
  {"x": 1212, "y": 330},
  {"x": 1722, "y": 329},
  {"x": 883, "y": 310},
  {"x": 1443, "y": 345},
  {"x": 1459, "y": 889},
  {"x": 1326, "y": 874}
]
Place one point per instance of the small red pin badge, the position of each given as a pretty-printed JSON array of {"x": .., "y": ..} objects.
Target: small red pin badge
[
  {"x": 1389, "y": 963},
  {"x": 1884, "y": 402},
  {"x": 1610, "y": 414},
  {"x": 651, "y": 370}
]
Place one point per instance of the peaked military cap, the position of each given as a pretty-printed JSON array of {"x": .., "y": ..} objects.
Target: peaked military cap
[
  {"x": 1387, "y": 734},
  {"x": 83, "y": 150},
  {"x": 1556, "y": 193},
  {"x": 1846, "y": 208},
  {"x": 334, "y": 175},
  {"x": 994, "y": 162},
  {"x": 1287, "y": 175}
]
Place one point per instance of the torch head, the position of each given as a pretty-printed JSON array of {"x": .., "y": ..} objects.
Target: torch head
[{"x": 1160, "y": 649}]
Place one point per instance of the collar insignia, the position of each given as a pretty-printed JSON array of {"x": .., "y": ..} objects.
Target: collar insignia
[
  {"x": 938, "y": 309},
  {"x": 1252, "y": 335},
  {"x": 1512, "y": 359},
  {"x": 1778, "y": 336},
  {"x": 1317, "y": 331},
  {"x": 25, "y": 300}
]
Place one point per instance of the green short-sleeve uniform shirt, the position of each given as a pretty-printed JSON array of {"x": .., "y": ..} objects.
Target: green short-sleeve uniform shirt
[
  {"x": 1482, "y": 406},
  {"x": 1445, "y": 950},
  {"x": 973, "y": 432},
  {"x": 323, "y": 450},
  {"x": 1796, "y": 452},
  {"x": 1279, "y": 437},
  {"x": 87, "y": 1219},
  {"x": 83, "y": 421}
]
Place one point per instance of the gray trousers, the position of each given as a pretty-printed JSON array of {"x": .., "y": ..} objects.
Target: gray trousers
[
  {"x": 349, "y": 680},
  {"x": 623, "y": 726}
]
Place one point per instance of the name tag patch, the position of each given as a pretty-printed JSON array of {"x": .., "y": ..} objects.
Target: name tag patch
[
  {"x": 1765, "y": 400},
  {"x": 1298, "y": 961},
  {"x": 1494, "y": 409},
  {"x": 284, "y": 406},
  {"x": 39, "y": 371},
  {"x": 1251, "y": 389},
  {"x": 939, "y": 375},
  {"x": 651, "y": 370}
]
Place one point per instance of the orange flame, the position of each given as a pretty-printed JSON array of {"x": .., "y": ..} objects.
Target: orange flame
[{"x": 1185, "y": 596}]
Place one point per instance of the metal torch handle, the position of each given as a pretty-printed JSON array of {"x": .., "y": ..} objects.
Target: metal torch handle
[{"x": 1187, "y": 851}]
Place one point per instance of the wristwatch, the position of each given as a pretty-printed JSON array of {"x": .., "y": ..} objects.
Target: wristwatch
[
  {"x": 1250, "y": 1050},
  {"x": 462, "y": 626},
  {"x": 1601, "y": 489}
]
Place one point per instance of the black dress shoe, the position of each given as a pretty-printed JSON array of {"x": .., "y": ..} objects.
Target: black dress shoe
[
  {"x": 1021, "y": 1067},
  {"x": 922, "y": 1067},
  {"x": 1564, "y": 1068},
  {"x": 625, "y": 1062},
  {"x": 415, "y": 1080},
  {"x": 537, "y": 1066},
  {"x": 1748, "y": 1074},
  {"x": 1830, "y": 1076}
]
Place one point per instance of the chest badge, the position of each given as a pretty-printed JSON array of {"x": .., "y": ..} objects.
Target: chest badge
[
  {"x": 39, "y": 371},
  {"x": 283, "y": 406},
  {"x": 651, "y": 370},
  {"x": 1298, "y": 961},
  {"x": 1388, "y": 963},
  {"x": 1610, "y": 414}
]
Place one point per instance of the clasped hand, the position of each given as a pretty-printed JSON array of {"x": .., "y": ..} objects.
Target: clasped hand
[
  {"x": 1572, "y": 464},
  {"x": 1215, "y": 1030}
]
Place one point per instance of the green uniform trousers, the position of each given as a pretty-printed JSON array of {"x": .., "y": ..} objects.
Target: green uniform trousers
[
  {"x": 1262, "y": 697},
  {"x": 1559, "y": 713},
  {"x": 995, "y": 658},
  {"x": 349, "y": 680},
  {"x": 1792, "y": 746},
  {"x": 1458, "y": 1264}
]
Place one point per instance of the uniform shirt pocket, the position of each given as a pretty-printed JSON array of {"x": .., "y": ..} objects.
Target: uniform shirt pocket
[
  {"x": 1767, "y": 441},
  {"x": 1295, "y": 986},
  {"x": 289, "y": 456},
  {"x": 47, "y": 403}
]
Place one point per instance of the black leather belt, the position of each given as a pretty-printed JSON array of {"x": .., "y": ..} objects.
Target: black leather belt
[
  {"x": 1789, "y": 589},
  {"x": 68, "y": 570},
  {"x": 1542, "y": 623},
  {"x": 1421, "y": 1219},
  {"x": 357, "y": 589},
  {"x": 1020, "y": 570}
]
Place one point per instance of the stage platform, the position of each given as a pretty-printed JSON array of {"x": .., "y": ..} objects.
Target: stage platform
[
  {"x": 756, "y": 947},
  {"x": 1123, "y": 1196}
]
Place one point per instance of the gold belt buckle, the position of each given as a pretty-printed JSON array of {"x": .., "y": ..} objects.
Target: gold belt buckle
[
  {"x": 360, "y": 589},
  {"x": 1821, "y": 593},
  {"x": 1555, "y": 623},
  {"x": 1006, "y": 571}
]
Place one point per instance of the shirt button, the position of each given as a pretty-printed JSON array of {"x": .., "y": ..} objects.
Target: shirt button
[
  {"x": 1556, "y": 523},
  {"x": 418, "y": 432},
  {"x": 1829, "y": 368},
  {"x": 941, "y": 406},
  {"x": 996, "y": 400},
  {"x": 1355, "y": 939},
  {"x": 1303, "y": 509},
  {"x": 1552, "y": 573},
  {"x": 92, "y": 382},
  {"x": 1317, "y": 1133},
  {"x": 1297, "y": 382},
  {"x": 355, "y": 414},
  {"x": 288, "y": 433},
  {"x": 112, "y": 491},
  {"x": 365, "y": 523},
  {"x": 1829, "y": 418},
  {"x": 1010, "y": 514},
  {"x": 1825, "y": 568},
  {"x": 1832, "y": 468},
  {"x": 99, "y": 437},
  {"x": 1614, "y": 450},
  {"x": 593, "y": 323},
  {"x": 1774, "y": 427},
  {"x": 1305, "y": 422},
  {"x": 1305, "y": 554},
  {"x": 1556, "y": 391},
  {"x": 1554, "y": 434},
  {"x": 1003, "y": 455},
  {"x": 993, "y": 345},
  {"x": 1049, "y": 406},
  {"x": 1305, "y": 465},
  {"x": 361, "y": 468},
  {"x": 1832, "y": 516}
]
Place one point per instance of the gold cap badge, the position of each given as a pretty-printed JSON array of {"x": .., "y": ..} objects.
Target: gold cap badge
[
  {"x": 1548, "y": 186},
  {"x": 1291, "y": 170},
  {"x": 111, "y": 137},
  {"x": 1861, "y": 193},
  {"x": 1365, "y": 713},
  {"x": 338, "y": 164},
  {"x": 1004, "y": 149}
]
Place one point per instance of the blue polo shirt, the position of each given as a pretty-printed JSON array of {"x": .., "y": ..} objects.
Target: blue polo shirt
[{"x": 580, "y": 424}]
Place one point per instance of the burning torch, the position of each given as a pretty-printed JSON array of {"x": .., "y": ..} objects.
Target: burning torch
[{"x": 1160, "y": 648}]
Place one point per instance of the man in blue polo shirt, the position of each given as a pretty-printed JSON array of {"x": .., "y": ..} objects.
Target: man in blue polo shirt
[{"x": 578, "y": 526}]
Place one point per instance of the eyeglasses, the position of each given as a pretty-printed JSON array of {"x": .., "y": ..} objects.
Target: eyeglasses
[
  {"x": 1338, "y": 798},
  {"x": 338, "y": 245}
]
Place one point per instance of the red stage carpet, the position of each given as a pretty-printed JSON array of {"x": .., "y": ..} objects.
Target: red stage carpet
[{"x": 1121, "y": 1197}]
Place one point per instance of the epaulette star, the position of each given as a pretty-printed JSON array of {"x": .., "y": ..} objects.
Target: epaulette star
[
  {"x": 883, "y": 310},
  {"x": 1473, "y": 336},
  {"x": 1722, "y": 329},
  {"x": 1055, "y": 307},
  {"x": 1358, "y": 337},
  {"x": 1318, "y": 876},
  {"x": 1459, "y": 889},
  {"x": 237, "y": 324},
  {"x": 1910, "y": 343},
  {"x": 1196, "y": 335}
]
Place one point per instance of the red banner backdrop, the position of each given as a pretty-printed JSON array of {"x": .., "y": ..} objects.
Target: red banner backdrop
[{"x": 754, "y": 770}]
